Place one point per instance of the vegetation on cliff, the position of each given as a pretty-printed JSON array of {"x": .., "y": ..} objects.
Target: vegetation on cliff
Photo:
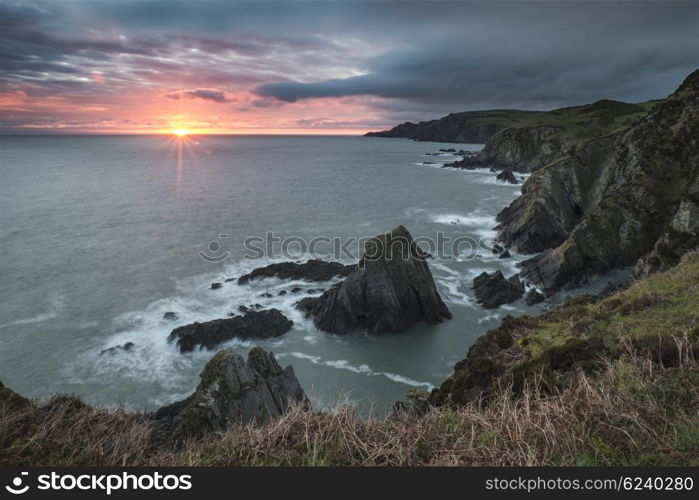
[
  {"x": 611, "y": 200},
  {"x": 468, "y": 126},
  {"x": 597, "y": 382}
]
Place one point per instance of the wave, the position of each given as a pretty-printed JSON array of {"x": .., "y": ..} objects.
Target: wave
[
  {"x": 361, "y": 369},
  {"x": 55, "y": 309},
  {"x": 155, "y": 359}
]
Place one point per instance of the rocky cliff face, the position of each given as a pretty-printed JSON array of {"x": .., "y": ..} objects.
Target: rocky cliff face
[
  {"x": 545, "y": 137},
  {"x": 233, "y": 390},
  {"x": 390, "y": 290},
  {"x": 471, "y": 127},
  {"x": 613, "y": 199},
  {"x": 524, "y": 149}
]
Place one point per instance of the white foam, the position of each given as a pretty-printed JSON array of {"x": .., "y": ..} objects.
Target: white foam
[
  {"x": 155, "y": 359},
  {"x": 362, "y": 369}
]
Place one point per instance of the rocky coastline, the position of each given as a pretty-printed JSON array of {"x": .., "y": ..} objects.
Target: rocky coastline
[{"x": 621, "y": 191}]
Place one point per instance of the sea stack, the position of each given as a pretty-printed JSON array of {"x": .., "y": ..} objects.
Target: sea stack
[{"x": 390, "y": 290}]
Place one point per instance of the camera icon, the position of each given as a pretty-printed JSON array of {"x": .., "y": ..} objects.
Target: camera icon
[
  {"x": 214, "y": 254},
  {"x": 16, "y": 487}
]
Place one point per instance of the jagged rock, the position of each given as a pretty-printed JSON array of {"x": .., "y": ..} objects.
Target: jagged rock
[
  {"x": 216, "y": 286},
  {"x": 504, "y": 255},
  {"x": 613, "y": 200},
  {"x": 533, "y": 296},
  {"x": 415, "y": 405},
  {"x": 680, "y": 237},
  {"x": 113, "y": 350},
  {"x": 507, "y": 176},
  {"x": 391, "y": 289},
  {"x": 170, "y": 316},
  {"x": 232, "y": 390},
  {"x": 282, "y": 292},
  {"x": 296, "y": 289},
  {"x": 11, "y": 401},
  {"x": 312, "y": 270},
  {"x": 493, "y": 290},
  {"x": 253, "y": 324},
  {"x": 448, "y": 150}
]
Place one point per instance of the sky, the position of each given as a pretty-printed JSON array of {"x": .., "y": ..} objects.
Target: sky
[{"x": 332, "y": 67}]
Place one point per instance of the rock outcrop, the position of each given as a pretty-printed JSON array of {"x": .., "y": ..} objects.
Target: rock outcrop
[
  {"x": 533, "y": 297},
  {"x": 390, "y": 290},
  {"x": 493, "y": 290},
  {"x": 252, "y": 324},
  {"x": 11, "y": 401},
  {"x": 232, "y": 390},
  {"x": 507, "y": 176},
  {"x": 118, "y": 348},
  {"x": 312, "y": 270},
  {"x": 544, "y": 137},
  {"x": 614, "y": 200}
]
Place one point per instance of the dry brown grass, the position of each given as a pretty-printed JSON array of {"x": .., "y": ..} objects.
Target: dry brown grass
[{"x": 635, "y": 411}]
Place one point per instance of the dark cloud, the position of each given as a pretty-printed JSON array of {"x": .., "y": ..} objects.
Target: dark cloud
[
  {"x": 533, "y": 55},
  {"x": 411, "y": 60},
  {"x": 204, "y": 94}
]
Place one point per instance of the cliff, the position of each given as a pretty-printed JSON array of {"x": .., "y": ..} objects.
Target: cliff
[
  {"x": 470, "y": 126},
  {"x": 542, "y": 138},
  {"x": 611, "y": 200}
]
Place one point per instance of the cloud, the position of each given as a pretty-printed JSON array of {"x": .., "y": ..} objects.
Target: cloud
[
  {"x": 354, "y": 63},
  {"x": 202, "y": 94},
  {"x": 529, "y": 56}
]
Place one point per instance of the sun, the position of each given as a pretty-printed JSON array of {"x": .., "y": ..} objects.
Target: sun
[{"x": 180, "y": 132}]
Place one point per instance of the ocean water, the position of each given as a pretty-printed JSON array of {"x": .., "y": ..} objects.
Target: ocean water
[{"x": 100, "y": 236}]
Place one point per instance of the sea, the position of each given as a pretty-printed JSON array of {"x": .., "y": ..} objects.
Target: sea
[{"x": 100, "y": 236}]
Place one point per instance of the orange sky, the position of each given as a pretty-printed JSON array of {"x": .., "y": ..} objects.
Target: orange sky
[{"x": 340, "y": 67}]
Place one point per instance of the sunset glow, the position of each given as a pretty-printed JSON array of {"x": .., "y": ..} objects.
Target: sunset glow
[
  {"x": 146, "y": 67},
  {"x": 180, "y": 132}
]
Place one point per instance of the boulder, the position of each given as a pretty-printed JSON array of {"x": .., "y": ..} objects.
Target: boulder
[
  {"x": 252, "y": 324},
  {"x": 312, "y": 270},
  {"x": 170, "y": 316},
  {"x": 534, "y": 297},
  {"x": 114, "y": 350},
  {"x": 232, "y": 390},
  {"x": 507, "y": 176},
  {"x": 493, "y": 290},
  {"x": 216, "y": 286},
  {"x": 390, "y": 290}
]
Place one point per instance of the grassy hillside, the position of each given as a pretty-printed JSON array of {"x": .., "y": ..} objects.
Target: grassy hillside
[
  {"x": 591, "y": 120},
  {"x": 606, "y": 382},
  {"x": 467, "y": 126}
]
